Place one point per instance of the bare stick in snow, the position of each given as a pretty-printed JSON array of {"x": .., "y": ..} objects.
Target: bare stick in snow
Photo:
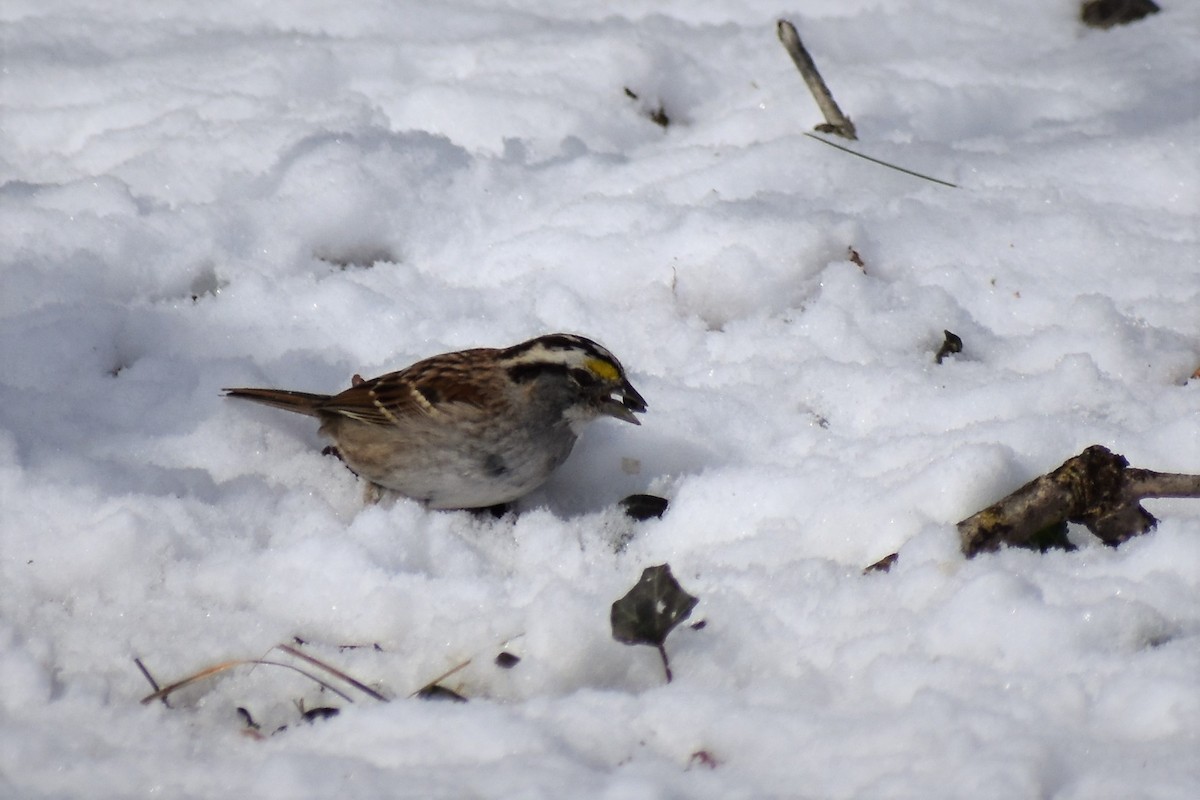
[
  {"x": 1096, "y": 488},
  {"x": 835, "y": 120}
]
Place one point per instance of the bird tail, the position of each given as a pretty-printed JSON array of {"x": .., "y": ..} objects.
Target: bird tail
[{"x": 298, "y": 402}]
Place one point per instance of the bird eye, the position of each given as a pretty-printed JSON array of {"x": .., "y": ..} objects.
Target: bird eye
[{"x": 584, "y": 377}]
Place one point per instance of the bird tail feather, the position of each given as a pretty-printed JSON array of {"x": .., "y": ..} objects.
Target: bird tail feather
[{"x": 298, "y": 402}]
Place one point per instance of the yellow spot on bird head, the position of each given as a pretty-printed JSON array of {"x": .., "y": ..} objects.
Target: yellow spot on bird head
[{"x": 603, "y": 369}]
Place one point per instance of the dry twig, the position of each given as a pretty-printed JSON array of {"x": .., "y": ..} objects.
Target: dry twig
[
  {"x": 216, "y": 669},
  {"x": 835, "y": 120},
  {"x": 332, "y": 670},
  {"x": 882, "y": 163},
  {"x": 1095, "y": 488}
]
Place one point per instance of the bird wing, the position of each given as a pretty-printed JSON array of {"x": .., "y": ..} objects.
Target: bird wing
[{"x": 392, "y": 398}]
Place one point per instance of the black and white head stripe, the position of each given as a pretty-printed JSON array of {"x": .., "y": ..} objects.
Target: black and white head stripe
[
  {"x": 589, "y": 365},
  {"x": 562, "y": 351},
  {"x": 559, "y": 348}
]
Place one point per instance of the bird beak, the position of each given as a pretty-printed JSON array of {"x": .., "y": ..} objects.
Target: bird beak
[{"x": 623, "y": 409}]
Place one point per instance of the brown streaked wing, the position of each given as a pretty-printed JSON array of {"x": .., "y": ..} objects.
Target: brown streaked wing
[
  {"x": 440, "y": 392},
  {"x": 411, "y": 392},
  {"x": 359, "y": 401},
  {"x": 449, "y": 379}
]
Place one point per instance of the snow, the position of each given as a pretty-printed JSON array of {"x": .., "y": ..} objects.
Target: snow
[{"x": 200, "y": 195}]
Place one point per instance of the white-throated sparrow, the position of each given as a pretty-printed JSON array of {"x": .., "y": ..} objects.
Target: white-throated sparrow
[{"x": 474, "y": 428}]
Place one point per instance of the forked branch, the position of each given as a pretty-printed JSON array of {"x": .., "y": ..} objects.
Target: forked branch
[{"x": 1096, "y": 488}]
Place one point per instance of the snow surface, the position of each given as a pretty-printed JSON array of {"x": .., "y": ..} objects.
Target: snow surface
[{"x": 183, "y": 185}]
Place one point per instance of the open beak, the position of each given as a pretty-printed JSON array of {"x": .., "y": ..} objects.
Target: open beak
[{"x": 629, "y": 402}]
